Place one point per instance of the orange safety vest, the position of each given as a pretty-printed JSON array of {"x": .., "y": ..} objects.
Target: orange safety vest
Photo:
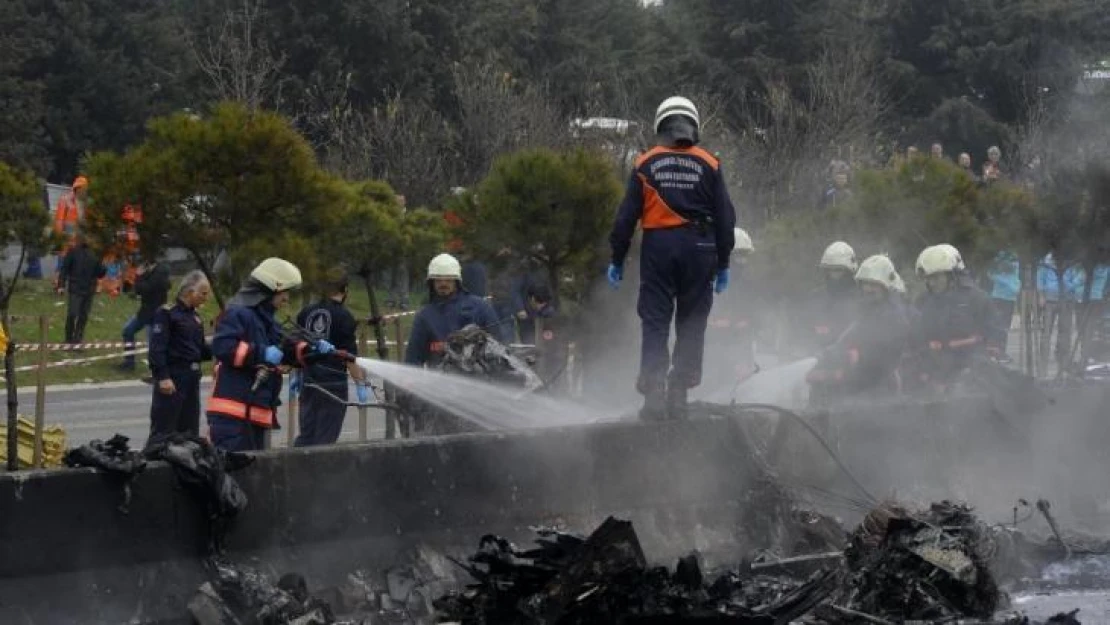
[
  {"x": 656, "y": 213},
  {"x": 67, "y": 214}
]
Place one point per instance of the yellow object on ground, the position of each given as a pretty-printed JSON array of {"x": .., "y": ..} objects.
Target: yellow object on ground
[
  {"x": 3, "y": 339},
  {"x": 53, "y": 444}
]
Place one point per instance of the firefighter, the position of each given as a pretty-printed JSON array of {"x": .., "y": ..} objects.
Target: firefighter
[
  {"x": 322, "y": 410},
  {"x": 833, "y": 305},
  {"x": 251, "y": 354},
  {"x": 731, "y": 330},
  {"x": 954, "y": 317},
  {"x": 449, "y": 309},
  {"x": 677, "y": 192},
  {"x": 177, "y": 347},
  {"x": 865, "y": 358}
]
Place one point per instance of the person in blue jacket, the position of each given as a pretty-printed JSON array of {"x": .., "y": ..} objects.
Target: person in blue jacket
[
  {"x": 677, "y": 193},
  {"x": 251, "y": 355},
  {"x": 1005, "y": 286},
  {"x": 1056, "y": 300},
  {"x": 449, "y": 309}
]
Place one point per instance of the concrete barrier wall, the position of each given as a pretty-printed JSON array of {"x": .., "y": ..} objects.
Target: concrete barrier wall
[{"x": 67, "y": 555}]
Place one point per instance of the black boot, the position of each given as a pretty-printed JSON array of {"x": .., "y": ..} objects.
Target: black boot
[
  {"x": 676, "y": 402},
  {"x": 655, "y": 408}
]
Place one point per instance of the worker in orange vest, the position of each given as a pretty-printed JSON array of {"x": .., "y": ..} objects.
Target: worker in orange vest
[{"x": 70, "y": 210}]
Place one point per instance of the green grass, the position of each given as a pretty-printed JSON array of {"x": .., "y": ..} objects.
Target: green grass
[{"x": 35, "y": 297}]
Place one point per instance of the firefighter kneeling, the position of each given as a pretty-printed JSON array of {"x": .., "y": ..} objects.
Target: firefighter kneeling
[
  {"x": 252, "y": 353},
  {"x": 865, "y": 358}
]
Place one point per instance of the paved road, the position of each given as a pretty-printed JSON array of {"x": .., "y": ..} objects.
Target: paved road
[{"x": 90, "y": 412}]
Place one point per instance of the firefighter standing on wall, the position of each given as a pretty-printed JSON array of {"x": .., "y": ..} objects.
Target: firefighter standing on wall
[
  {"x": 955, "y": 317},
  {"x": 251, "y": 354},
  {"x": 677, "y": 192}
]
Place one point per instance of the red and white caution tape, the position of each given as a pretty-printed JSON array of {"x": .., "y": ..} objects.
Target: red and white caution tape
[
  {"x": 68, "y": 362},
  {"x": 64, "y": 347}
]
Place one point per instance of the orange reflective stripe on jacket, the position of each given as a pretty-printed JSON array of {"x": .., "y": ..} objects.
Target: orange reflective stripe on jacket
[
  {"x": 657, "y": 214},
  {"x": 437, "y": 347},
  {"x": 238, "y": 410},
  {"x": 241, "y": 352}
]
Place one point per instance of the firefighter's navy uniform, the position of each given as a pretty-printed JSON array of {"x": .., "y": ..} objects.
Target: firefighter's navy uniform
[
  {"x": 954, "y": 323},
  {"x": 830, "y": 308},
  {"x": 177, "y": 347},
  {"x": 239, "y": 415},
  {"x": 442, "y": 316},
  {"x": 865, "y": 357},
  {"x": 321, "y": 416},
  {"x": 678, "y": 195}
]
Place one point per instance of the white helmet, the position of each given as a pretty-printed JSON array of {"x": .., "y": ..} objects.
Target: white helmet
[
  {"x": 839, "y": 255},
  {"x": 879, "y": 270},
  {"x": 951, "y": 249},
  {"x": 277, "y": 275},
  {"x": 937, "y": 259},
  {"x": 444, "y": 267},
  {"x": 676, "y": 105},
  {"x": 743, "y": 241}
]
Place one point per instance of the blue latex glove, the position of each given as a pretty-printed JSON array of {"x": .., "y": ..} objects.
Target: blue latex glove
[
  {"x": 296, "y": 383},
  {"x": 721, "y": 282},
  {"x": 324, "y": 347},
  {"x": 272, "y": 355},
  {"x": 363, "y": 393},
  {"x": 615, "y": 275}
]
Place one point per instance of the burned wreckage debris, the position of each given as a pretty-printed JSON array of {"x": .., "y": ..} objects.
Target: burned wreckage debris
[{"x": 932, "y": 566}]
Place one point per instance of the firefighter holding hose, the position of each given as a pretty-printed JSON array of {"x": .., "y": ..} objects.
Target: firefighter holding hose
[{"x": 251, "y": 353}]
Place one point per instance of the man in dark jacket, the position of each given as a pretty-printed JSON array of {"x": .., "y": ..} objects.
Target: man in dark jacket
[
  {"x": 152, "y": 287},
  {"x": 81, "y": 268},
  {"x": 677, "y": 193},
  {"x": 177, "y": 347},
  {"x": 533, "y": 298},
  {"x": 830, "y": 308},
  {"x": 322, "y": 408},
  {"x": 955, "y": 321},
  {"x": 449, "y": 309}
]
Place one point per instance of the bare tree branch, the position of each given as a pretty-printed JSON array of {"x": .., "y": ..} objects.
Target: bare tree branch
[{"x": 237, "y": 60}]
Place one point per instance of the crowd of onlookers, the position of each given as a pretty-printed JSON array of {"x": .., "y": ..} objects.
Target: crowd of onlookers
[{"x": 838, "y": 188}]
